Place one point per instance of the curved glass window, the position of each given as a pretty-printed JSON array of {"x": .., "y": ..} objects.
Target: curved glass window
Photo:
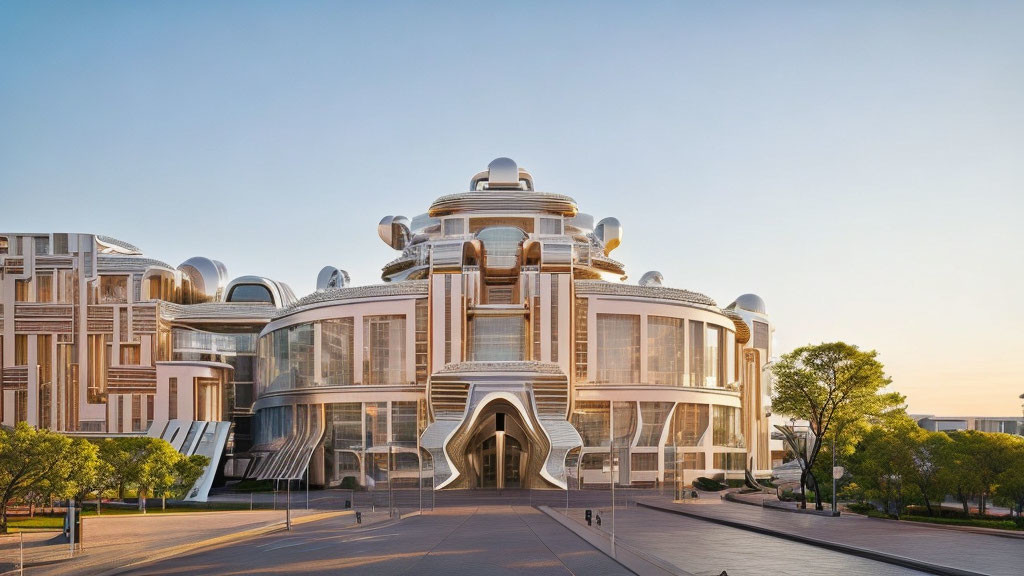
[
  {"x": 689, "y": 425},
  {"x": 384, "y": 350},
  {"x": 713, "y": 358},
  {"x": 593, "y": 420},
  {"x": 286, "y": 359},
  {"x": 728, "y": 427},
  {"x": 665, "y": 350},
  {"x": 653, "y": 416},
  {"x": 618, "y": 348},
  {"x": 501, "y": 246},
  {"x": 624, "y": 421},
  {"x": 250, "y": 293},
  {"x": 336, "y": 352},
  {"x": 273, "y": 423}
]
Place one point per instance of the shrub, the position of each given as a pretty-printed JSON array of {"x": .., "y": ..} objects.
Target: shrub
[
  {"x": 708, "y": 485},
  {"x": 860, "y": 508}
]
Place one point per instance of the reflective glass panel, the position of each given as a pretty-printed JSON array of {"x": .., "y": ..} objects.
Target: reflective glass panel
[
  {"x": 665, "y": 350},
  {"x": 618, "y": 348}
]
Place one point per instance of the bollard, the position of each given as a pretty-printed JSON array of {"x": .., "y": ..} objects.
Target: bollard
[{"x": 359, "y": 517}]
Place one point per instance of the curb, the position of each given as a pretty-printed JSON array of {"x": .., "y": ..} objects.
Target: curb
[
  {"x": 823, "y": 513},
  {"x": 634, "y": 561},
  {"x": 834, "y": 546},
  {"x": 221, "y": 540}
]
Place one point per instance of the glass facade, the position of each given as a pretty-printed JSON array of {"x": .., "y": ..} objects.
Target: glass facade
[
  {"x": 696, "y": 354},
  {"x": 728, "y": 427},
  {"x": 689, "y": 425},
  {"x": 497, "y": 339},
  {"x": 384, "y": 350},
  {"x": 593, "y": 421},
  {"x": 665, "y": 350},
  {"x": 618, "y": 348},
  {"x": 336, "y": 344},
  {"x": 653, "y": 416}
]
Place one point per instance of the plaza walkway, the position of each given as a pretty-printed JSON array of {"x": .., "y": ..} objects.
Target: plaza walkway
[
  {"x": 492, "y": 540},
  {"x": 958, "y": 550}
]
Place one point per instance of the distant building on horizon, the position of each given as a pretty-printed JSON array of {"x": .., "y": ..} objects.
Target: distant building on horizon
[{"x": 1005, "y": 425}]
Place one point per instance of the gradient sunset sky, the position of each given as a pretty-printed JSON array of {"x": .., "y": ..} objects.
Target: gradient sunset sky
[{"x": 858, "y": 165}]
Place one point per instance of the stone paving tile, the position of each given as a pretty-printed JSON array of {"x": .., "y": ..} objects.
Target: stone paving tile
[
  {"x": 987, "y": 554},
  {"x": 706, "y": 549}
]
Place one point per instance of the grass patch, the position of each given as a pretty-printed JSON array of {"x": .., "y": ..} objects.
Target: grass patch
[
  {"x": 56, "y": 521},
  {"x": 39, "y": 522}
]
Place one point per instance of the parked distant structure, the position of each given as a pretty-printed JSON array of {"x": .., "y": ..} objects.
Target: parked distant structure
[{"x": 1006, "y": 425}]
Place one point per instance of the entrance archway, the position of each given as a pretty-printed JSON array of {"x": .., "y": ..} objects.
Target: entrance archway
[
  {"x": 499, "y": 450},
  {"x": 498, "y": 453}
]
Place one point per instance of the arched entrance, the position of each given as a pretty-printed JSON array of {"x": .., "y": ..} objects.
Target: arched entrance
[{"x": 498, "y": 451}]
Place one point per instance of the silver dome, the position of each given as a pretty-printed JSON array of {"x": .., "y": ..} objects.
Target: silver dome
[
  {"x": 209, "y": 277},
  {"x": 331, "y": 277},
  {"x": 652, "y": 278},
  {"x": 750, "y": 303}
]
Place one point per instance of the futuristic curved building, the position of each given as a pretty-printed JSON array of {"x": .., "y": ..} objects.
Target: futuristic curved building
[{"x": 504, "y": 349}]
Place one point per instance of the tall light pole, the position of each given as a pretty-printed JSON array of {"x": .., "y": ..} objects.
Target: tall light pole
[{"x": 834, "y": 474}]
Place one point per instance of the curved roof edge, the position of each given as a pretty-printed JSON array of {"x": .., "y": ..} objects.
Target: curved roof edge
[
  {"x": 655, "y": 292},
  {"x": 323, "y": 297}
]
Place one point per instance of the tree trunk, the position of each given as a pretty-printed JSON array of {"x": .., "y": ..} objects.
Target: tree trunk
[
  {"x": 817, "y": 494},
  {"x": 963, "y": 502},
  {"x": 803, "y": 493},
  {"x": 3, "y": 517},
  {"x": 142, "y": 500},
  {"x": 163, "y": 502},
  {"x": 927, "y": 504},
  {"x": 99, "y": 499}
]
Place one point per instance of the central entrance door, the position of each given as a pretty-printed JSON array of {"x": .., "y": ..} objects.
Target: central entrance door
[
  {"x": 497, "y": 453},
  {"x": 501, "y": 461}
]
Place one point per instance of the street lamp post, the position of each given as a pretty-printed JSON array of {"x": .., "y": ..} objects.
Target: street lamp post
[
  {"x": 834, "y": 474},
  {"x": 391, "y": 493}
]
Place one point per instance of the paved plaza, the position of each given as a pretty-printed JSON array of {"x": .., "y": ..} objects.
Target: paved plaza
[
  {"x": 961, "y": 550},
  {"x": 492, "y": 540},
  {"x": 705, "y": 549},
  {"x": 484, "y": 532}
]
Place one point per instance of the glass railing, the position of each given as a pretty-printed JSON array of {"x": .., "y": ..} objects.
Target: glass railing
[{"x": 212, "y": 343}]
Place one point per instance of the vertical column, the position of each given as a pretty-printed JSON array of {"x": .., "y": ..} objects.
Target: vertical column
[{"x": 545, "y": 317}]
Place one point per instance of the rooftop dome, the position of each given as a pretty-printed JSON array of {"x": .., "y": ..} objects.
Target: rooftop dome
[{"x": 750, "y": 303}]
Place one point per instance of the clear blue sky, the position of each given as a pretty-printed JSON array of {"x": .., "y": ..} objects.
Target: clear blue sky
[{"x": 859, "y": 165}]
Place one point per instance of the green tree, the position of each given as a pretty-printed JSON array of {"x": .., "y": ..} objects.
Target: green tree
[
  {"x": 976, "y": 460},
  {"x": 1010, "y": 482},
  {"x": 187, "y": 471},
  {"x": 932, "y": 474},
  {"x": 158, "y": 471},
  {"x": 38, "y": 461},
  {"x": 125, "y": 460},
  {"x": 886, "y": 464},
  {"x": 833, "y": 386}
]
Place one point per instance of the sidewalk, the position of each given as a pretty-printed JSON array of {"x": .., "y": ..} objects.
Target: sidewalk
[
  {"x": 946, "y": 551},
  {"x": 112, "y": 542}
]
